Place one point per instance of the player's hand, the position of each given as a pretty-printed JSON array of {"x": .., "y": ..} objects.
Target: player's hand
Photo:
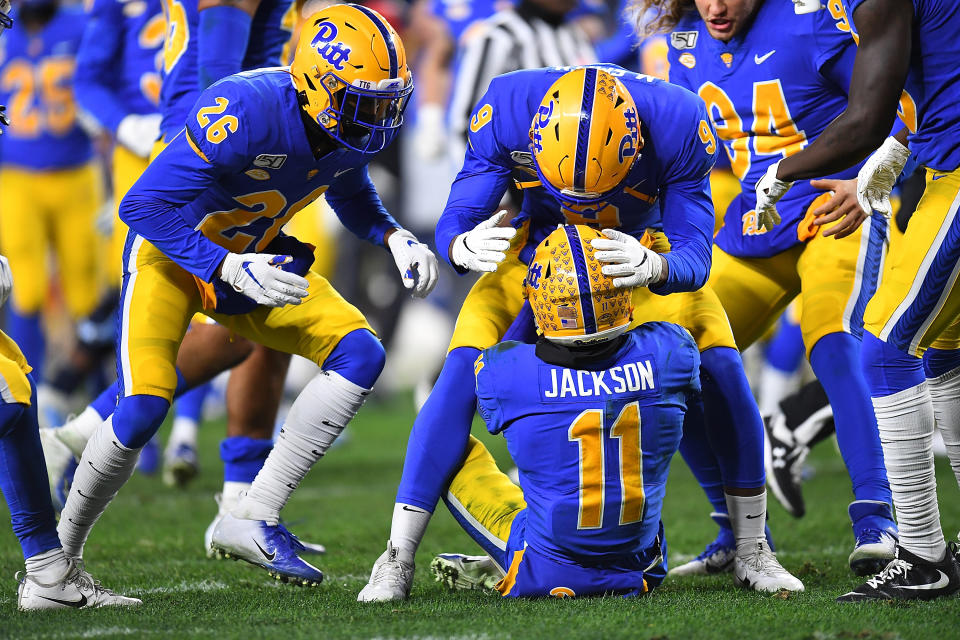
[
  {"x": 878, "y": 175},
  {"x": 258, "y": 276},
  {"x": 483, "y": 247},
  {"x": 630, "y": 263},
  {"x": 769, "y": 191},
  {"x": 843, "y": 206},
  {"x": 417, "y": 264},
  {"x": 138, "y": 133},
  {"x": 6, "y": 280}
]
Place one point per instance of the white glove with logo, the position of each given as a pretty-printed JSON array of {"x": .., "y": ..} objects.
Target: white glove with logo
[
  {"x": 769, "y": 191},
  {"x": 138, "y": 133},
  {"x": 631, "y": 263},
  {"x": 483, "y": 247},
  {"x": 878, "y": 175},
  {"x": 259, "y": 277},
  {"x": 6, "y": 280},
  {"x": 417, "y": 264}
]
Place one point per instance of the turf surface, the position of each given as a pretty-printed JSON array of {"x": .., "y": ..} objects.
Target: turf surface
[{"x": 149, "y": 544}]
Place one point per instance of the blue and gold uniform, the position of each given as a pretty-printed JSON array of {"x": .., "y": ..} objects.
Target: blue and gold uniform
[
  {"x": 118, "y": 74},
  {"x": 229, "y": 182},
  {"x": 49, "y": 189},
  {"x": 270, "y": 30},
  {"x": 770, "y": 90},
  {"x": 918, "y": 302},
  {"x": 666, "y": 195},
  {"x": 593, "y": 448}
]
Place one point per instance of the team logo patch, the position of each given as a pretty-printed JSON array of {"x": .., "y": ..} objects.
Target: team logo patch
[
  {"x": 687, "y": 60},
  {"x": 727, "y": 59},
  {"x": 324, "y": 42},
  {"x": 258, "y": 174},
  {"x": 269, "y": 161},
  {"x": 683, "y": 39}
]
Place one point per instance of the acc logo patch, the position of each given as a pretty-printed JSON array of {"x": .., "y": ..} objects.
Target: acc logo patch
[
  {"x": 333, "y": 52},
  {"x": 269, "y": 161},
  {"x": 258, "y": 174},
  {"x": 687, "y": 60},
  {"x": 683, "y": 39}
]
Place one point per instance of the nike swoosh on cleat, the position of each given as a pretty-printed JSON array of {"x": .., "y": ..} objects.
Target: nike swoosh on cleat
[
  {"x": 939, "y": 584},
  {"x": 268, "y": 556},
  {"x": 76, "y": 604},
  {"x": 761, "y": 59}
]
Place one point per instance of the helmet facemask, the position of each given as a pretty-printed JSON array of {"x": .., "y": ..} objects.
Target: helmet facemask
[{"x": 363, "y": 119}]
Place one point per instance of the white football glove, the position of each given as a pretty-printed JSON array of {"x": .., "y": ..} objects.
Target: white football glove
[
  {"x": 6, "y": 280},
  {"x": 417, "y": 264},
  {"x": 878, "y": 175},
  {"x": 259, "y": 277},
  {"x": 430, "y": 136},
  {"x": 631, "y": 263},
  {"x": 483, "y": 247},
  {"x": 138, "y": 133},
  {"x": 769, "y": 191}
]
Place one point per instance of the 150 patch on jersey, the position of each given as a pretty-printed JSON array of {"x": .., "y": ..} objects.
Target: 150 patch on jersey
[
  {"x": 268, "y": 161},
  {"x": 684, "y": 39}
]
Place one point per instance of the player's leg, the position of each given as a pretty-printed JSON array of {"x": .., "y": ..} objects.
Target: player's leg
[
  {"x": 484, "y": 501},
  {"x": 329, "y": 331},
  {"x": 839, "y": 277},
  {"x": 941, "y": 366},
  {"x": 438, "y": 439},
  {"x": 918, "y": 300},
  {"x": 158, "y": 299},
  {"x": 782, "y": 358},
  {"x": 23, "y": 240}
]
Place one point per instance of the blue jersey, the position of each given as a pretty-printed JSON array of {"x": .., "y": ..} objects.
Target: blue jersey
[
  {"x": 118, "y": 65},
  {"x": 668, "y": 187},
  {"x": 593, "y": 447},
  {"x": 270, "y": 30},
  {"x": 36, "y": 84},
  {"x": 239, "y": 171},
  {"x": 770, "y": 91},
  {"x": 929, "y": 106}
]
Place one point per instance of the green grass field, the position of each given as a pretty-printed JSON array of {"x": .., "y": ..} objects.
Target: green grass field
[{"x": 149, "y": 544}]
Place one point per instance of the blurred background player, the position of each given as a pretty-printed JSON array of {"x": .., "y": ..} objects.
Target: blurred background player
[
  {"x": 767, "y": 100},
  {"x": 644, "y": 150},
  {"x": 592, "y": 420},
  {"x": 911, "y": 345},
  {"x": 50, "y": 187}
]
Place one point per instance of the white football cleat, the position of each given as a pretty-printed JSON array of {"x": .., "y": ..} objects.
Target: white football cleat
[
  {"x": 271, "y": 547},
  {"x": 309, "y": 548},
  {"x": 76, "y": 590},
  {"x": 466, "y": 573},
  {"x": 755, "y": 567},
  {"x": 391, "y": 577},
  {"x": 61, "y": 463}
]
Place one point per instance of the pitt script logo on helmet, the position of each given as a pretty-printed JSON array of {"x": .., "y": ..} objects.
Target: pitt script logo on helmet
[
  {"x": 350, "y": 70},
  {"x": 585, "y": 137},
  {"x": 572, "y": 300}
]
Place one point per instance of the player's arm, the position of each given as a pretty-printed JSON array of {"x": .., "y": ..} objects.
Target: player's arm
[
  {"x": 879, "y": 72},
  {"x": 434, "y": 78},
  {"x": 222, "y": 35}
]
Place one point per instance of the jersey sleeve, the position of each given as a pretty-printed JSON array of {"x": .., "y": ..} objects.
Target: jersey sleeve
[
  {"x": 97, "y": 61},
  {"x": 685, "y": 204},
  {"x": 488, "y": 398},
  {"x": 484, "y": 178},
  {"x": 835, "y": 48},
  {"x": 213, "y": 144},
  {"x": 357, "y": 204}
]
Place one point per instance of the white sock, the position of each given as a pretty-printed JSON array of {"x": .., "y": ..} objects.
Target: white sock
[
  {"x": 748, "y": 517},
  {"x": 231, "y": 494},
  {"x": 318, "y": 415},
  {"x": 48, "y": 567},
  {"x": 408, "y": 526},
  {"x": 104, "y": 467},
  {"x": 775, "y": 385},
  {"x": 945, "y": 394},
  {"x": 184, "y": 432},
  {"x": 76, "y": 432},
  {"x": 906, "y": 424}
]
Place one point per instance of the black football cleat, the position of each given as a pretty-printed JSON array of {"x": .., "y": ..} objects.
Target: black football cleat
[
  {"x": 908, "y": 577},
  {"x": 784, "y": 459}
]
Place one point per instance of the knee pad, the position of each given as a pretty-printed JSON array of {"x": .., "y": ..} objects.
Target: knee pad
[
  {"x": 137, "y": 419},
  {"x": 887, "y": 369},
  {"x": 359, "y": 357}
]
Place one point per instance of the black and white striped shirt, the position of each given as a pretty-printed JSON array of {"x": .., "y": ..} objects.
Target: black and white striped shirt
[{"x": 510, "y": 40}]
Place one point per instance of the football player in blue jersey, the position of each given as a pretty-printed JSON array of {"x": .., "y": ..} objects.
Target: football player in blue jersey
[
  {"x": 50, "y": 188},
  {"x": 205, "y": 221},
  {"x": 911, "y": 344},
  {"x": 621, "y": 152},
  {"x": 772, "y": 82},
  {"x": 592, "y": 414}
]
